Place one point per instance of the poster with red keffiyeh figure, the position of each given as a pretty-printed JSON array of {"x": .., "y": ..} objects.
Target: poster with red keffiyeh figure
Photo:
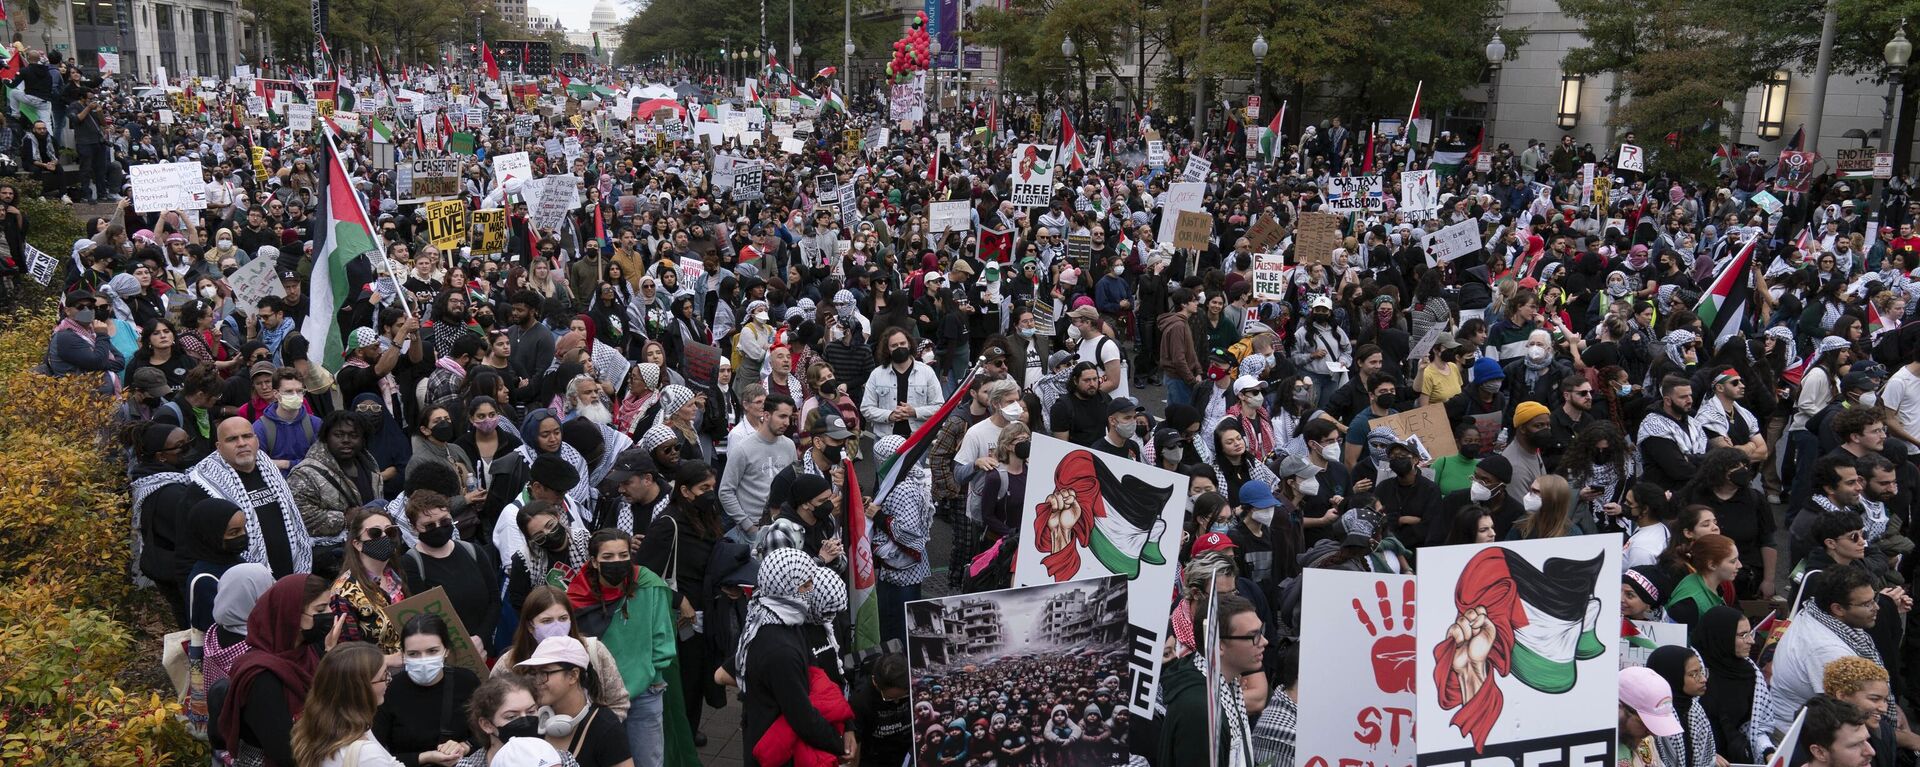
[
  {"x": 1517, "y": 648},
  {"x": 1093, "y": 515}
]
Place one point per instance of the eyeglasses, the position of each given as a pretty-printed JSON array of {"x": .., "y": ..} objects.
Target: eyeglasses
[
  {"x": 545, "y": 536},
  {"x": 390, "y": 531},
  {"x": 1582, "y": 392},
  {"x": 1253, "y": 639}
]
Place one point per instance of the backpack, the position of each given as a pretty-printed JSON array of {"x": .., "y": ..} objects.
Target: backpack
[{"x": 306, "y": 430}]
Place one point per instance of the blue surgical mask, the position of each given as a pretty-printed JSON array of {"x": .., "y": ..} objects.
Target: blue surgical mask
[
  {"x": 1220, "y": 527},
  {"x": 1625, "y": 390}
]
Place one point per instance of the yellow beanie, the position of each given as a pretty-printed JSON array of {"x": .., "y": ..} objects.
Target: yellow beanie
[{"x": 1527, "y": 411}]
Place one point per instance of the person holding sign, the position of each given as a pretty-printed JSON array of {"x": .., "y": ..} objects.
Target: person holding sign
[{"x": 422, "y": 719}]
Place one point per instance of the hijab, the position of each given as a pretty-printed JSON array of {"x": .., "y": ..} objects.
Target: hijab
[
  {"x": 206, "y": 531},
  {"x": 1670, "y": 662},
  {"x": 240, "y": 589},
  {"x": 385, "y": 441},
  {"x": 1729, "y": 696},
  {"x": 275, "y": 645}
]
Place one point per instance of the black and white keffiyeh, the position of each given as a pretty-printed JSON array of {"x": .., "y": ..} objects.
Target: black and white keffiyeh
[
  {"x": 776, "y": 600},
  {"x": 1232, "y": 704},
  {"x": 220, "y": 480},
  {"x": 142, "y": 488},
  {"x": 1689, "y": 437},
  {"x": 1857, "y": 640}
]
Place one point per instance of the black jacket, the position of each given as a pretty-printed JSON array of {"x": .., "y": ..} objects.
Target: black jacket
[{"x": 777, "y": 686}]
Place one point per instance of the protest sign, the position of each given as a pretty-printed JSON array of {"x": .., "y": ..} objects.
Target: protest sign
[
  {"x": 513, "y": 168},
  {"x": 489, "y": 230},
  {"x": 702, "y": 362},
  {"x": 1156, "y": 154},
  {"x": 1424, "y": 346},
  {"x": 824, "y": 185},
  {"x": 435, "y": 602},
  {"x": 1454, "y": 241},
  {"x": 1766, "y": 201},
  {"x": 792, "y": 146},
  {"x": 1646, "y": 637},
  {"x": 1093, "y": 515},
  {"x": 557, "y": 197},
  {"x": 1269, "y": 279},
  {"x": 1197, "y": 168},
  {"x": 1265, "y": 233},
  {"x": 724, "y": 168},
  {"x": 40, "y": 266},
  {"x": 1346, "y": 194},
  {"x": 1853, "y": 161},
  {"x": 256, "y": 106},
  {"x": 445, "y": 221},
  {"x": 436, "y": 178},
  {"x": 908, "y": 100},
  {"x": 1181, "y": 195},
  {"x": 1079, "y": 249},
  {"x": 1419, "y": 193},
  {"x": 749, "y": 182},
  {"x": 253, "y": 281},
  {"x": 1796, "y": 170},
  {"x": 1045, "y": 316},
  {"x": 164, "y": 186},
  {"x": 1047, "y": 645},
  {"x": 1516, "y": 645},
  {"x": 849, "y": 208},
  {"x": 1358, "y": 629},
  {"x": 1033, "y": 175},
  {"x": 348, "y": 122},
  {"x": 1429, "y": 424},
  {"x": 1602, "y": 193},
  {"x": 949, "y": 216},
  {"x": 1632, "y": 158},
  {"x": 1315, "y": 237},
  {"x": 300, "y": 117},
  {"x": 1193, "y": 230}
]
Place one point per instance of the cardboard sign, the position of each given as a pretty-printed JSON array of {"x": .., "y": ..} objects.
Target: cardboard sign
[
  {"x": 1181, "y": 195},
  {"x": 1193, "y": 231},
  {"x": 702, "y": 364},
  {"x": 1547, "y": 609},
  {"x": 300, "y": 117},
  {"x": 1265, "y": 234},
  {"x": 949, "y": 216},
  {"x": 1632, "y": 158},
  {"x": 1033, "y": 166},
  {"x": 436, "y": 178},
  {"x": 253, "y": 281},
  {"x": 164, "y": 186},
  {"x": 490, "y": 230},
  {"x": 1358, "y": 629},
  {"x": 1269, "y": 279},
  {"x": 1315, "y": 238},
  {"x": 446, "y": 223},
  {"x": 1859, "y": 160},
  {"x": 1429, "y": 423},
  {"x": 436, "y": 603},
  {"x": 1092, "y": 515}
]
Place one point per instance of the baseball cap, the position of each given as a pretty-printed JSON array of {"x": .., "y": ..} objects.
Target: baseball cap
[
  {"x": 1648, "y": 694},
  {"x": 1257, "y": 494},
  {"x": 1211, "y": 542},
  {"x": 560, "y": 649},
  {"x": 1244, "y": 383},
  {"x": 1857, "y": 380},
  {"x": 261, "y": 367},
  {"x": 150, "y": 381},
  {"x": 1123, "y": 405},
  {"x": 526, "y": 752},
  {"x": 1293, "y": 466},
  {"x": 631, "y": 461},
  {"x": 1321, "y": 301},
  {"x": 830, "y": 424}
]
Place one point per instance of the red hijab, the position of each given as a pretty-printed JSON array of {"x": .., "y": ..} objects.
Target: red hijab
[{"x": 274, "y": 646}]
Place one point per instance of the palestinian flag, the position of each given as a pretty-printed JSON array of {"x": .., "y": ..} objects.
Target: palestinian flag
[
  {"x": 1451, "y": 159},
  {"x": 1544, "y": 621},
  {"x": 1070, "y": 146},
  {"x": 379, "y": 130},
  {"x": 12, "y": 69},
  {"x": 32, "y": 109},
  {"x": 340, "y": 234},
  {"x": 865, "y": 609},
  {"x": 1272, "y": 140},
  {"x": 1723, "y": 308},
  {"x": 800, "y": 97},
  {"x": 1413, "y": 124},
  {"x": 914, "y": 450},
  {"x": 833, "y": 101}
]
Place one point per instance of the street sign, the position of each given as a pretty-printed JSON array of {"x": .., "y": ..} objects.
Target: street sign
[{"x": 1883, "y": 165}]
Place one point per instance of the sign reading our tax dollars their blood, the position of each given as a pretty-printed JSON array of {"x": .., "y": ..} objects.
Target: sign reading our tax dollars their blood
[{"x": 1346, "y": 194}]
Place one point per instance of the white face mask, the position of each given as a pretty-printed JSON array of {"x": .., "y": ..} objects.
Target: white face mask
[
  {"x": 424, "y": 671},
  {"x": 1013, "y": 411},
  {"x": 225, "y": 244},
  {"x": 1330, "y": 451},
  {"x": 1536, "y": 353},
  {"x": 760, "y": 317},
  {"x": 1479, "y": 493},
  {"x": 1310, "y": 486},
  {"x": 1119, "y": 270},
  {"x": 1264, "y": 517},
  {"x": 210, "y": 293},
  {"x": 1073, "y": 332},
  {"x": 292, "y": 401},
  {"x": 1531, "y": 502}
]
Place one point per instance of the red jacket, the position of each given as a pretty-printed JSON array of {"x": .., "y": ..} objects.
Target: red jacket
[{"x": 779, "y": 745}]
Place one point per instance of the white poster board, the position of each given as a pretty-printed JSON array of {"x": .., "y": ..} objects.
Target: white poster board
[
  {"x": 253, "y": 281},
  {"x": 1454, "y": 241},
  {"x": 1632, "y": 158},
  {"x": 1269, "y": 278},
  {"x": 1537, "y": 622},
  {"x": 1182, "y": 195},
  {"x": 1346, "y": 194},
  {"x": 300, "y": 117},
  {"x": 1358, "y": 631},
  {"x": 512, "y": 168},
  {"x": 40, "y": 266},
  {"x": 1419, "y": 192},
  {"x": 1033, "y": 166},
  {"x": 1102, "y": 515},
  {"x": 1197, "y": 168},
  {"x": 1156, "y": 154},
  {"x": 949, "y": 216},
  {"x": 558, "y": 195},
  {"x": 165, "y": 186}
]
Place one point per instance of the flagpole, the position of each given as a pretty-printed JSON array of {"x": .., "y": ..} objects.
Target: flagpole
[{"x": 379, "y": 242}]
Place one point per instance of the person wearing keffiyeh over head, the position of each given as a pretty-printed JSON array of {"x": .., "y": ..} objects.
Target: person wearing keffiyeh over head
[
  {"x": 238, "y": 472},
  {"x": 902, "y": 527},
  {"x": 771, "y": 662}
]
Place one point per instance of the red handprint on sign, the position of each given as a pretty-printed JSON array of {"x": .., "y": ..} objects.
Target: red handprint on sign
[{"x": 1393, "y": 646}]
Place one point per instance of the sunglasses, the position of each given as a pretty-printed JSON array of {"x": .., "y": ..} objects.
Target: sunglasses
[{"x": 390, "y": 531}]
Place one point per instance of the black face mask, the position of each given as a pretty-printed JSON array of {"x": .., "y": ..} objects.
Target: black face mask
[
  {"x": 443, "y": 431},
  {"x": 557, "y": 543},
  {"x": 1022, "y": 449},
  {"x": 1741, "y": 477},
  {"x": 614, "y": 573},
  {"x": 899, "y": 355},
  {"x": 382, "y": 548},
  {"x": 317, "y": 634},
  {"x": 437, "y": 537},
  {"x": 523, "y": 727},
  {"x": 1469, "y": 451},
  {"x": 835, "y": 454},
  {"x": 708, "y": 501},
  {"x": 235, "y": 546},
  {"x": 1401, "y": 466}
]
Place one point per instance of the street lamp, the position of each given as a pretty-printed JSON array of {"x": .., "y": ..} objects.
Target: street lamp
[
  {"x": 933, "y": 55},
  {"x": 1071, "y": 51},
  {"x": 1496, "y": 56},
  {"x": 1898, "y": 52},
  {"x": 1259, "y": 91},
  {"x": 1567, "y": 114},
  {"x": 846, "y": 68}
]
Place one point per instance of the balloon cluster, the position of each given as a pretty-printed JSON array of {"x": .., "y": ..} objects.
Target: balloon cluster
[{"x": 910, "y": 53}]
